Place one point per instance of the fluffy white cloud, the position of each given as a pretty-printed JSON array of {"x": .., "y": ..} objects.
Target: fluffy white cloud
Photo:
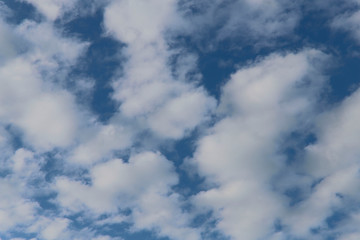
[
  {"x": 47, "y": 114},
  {"x": 55, "y": 229},
  {"x": 48, "y": 118},
  {"x": 142, "y": 184},
  {"x": 337, "y": 134},
  {"x": 326, "y": 197},
  {"x": 129, "y": 20},
  {"x": 98, "y": 143},
  {"x": 148, "y": 92},
  {"x": 181, "y": 114},
  {"x": 49, "y": 51},
  {"x": 159, "y": 95},
  {"x": 116, "y": 178},
  {"x": 15, "y": 209},
  {"x": 262, "y": 104},
  {"x": 334, "y": 160}
]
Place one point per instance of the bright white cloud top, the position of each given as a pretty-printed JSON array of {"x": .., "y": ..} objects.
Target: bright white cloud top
[{"x": 179, "y": 119}]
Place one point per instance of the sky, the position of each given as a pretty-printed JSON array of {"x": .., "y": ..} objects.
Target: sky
[{"x": 179, "y": 120}]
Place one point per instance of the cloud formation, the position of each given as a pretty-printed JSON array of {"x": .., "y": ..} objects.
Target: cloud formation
[{"x": 272, "y": 156}]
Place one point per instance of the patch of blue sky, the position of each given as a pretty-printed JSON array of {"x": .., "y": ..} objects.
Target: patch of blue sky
[
  {"x": 20, "y": 11},
  {"x": 100, "y": 62},
  {"x": 15, "y": 136},
  {"x": 344, "y": 75},
  {"x": 125, "y": 231},
  {"x": 218, "y": 62},
  {"x": 18, "y": 234}
]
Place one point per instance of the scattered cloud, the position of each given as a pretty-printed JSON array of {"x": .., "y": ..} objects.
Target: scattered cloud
[
  {"x": 262, "y": 104},
  {"x": 269, "y": 150}
]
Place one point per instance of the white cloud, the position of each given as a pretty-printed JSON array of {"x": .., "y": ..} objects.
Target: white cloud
[
  {"x": 148, "y": 92},
  {"x": 348, "y": 22},
  {"x": 337, "y": 133},
  {"x": 262, "y": 104},
  {"x": 47, "y": 118},
  {"x": 334, "y": 160},
  {"x": 55, "y": 229},
  {"x": 241, "y": 154},
  {"x": 48, "y": 49},
  {"x": 181, "y": 114},
  {"x": 143, "y": 185},
  {"x": 46, "y": 113},
  {"x": 130, "y": 20},
  {"x": 352, "y": 236},
  {"x": 14, "y": 208},
  {"x": 162, "y": 213},
  {"x": 324, "y": 199},
  {"x": 99, "y": 143},
  {"x": 114, "y": 179}
]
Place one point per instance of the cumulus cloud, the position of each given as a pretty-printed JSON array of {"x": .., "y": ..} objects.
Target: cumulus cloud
[
  {"x": 142, "y": 184},
  {"x": 262, "y": 103},
  {"x": 47, "y": 118},
  {"x": 333, "y": 160},
  {"x": 100, "y": 142},
  {"x": 148, "y": 91},
  {"x": 16, "y": 207},
  {"x": 337, "y": 133},
  {"x": 66, "y": 175},
  {"x": 46, "y": 113}
]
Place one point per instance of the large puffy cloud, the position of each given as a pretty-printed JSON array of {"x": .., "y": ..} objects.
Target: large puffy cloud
[
  {"x": 48, "y": 118},
  {"x": 338, "y": 139},
  {"x": 35, "y": 106},
  {"x": 143, "y": 184},
  {"x": 333, "y": 160},
  {"x": 16, "y": 207},
  {"x": 262, "y": 104},
  {"x": 148, "y": 91},
  {"x": 45, "y": 113},
  {"x": 100, "y": 141}
]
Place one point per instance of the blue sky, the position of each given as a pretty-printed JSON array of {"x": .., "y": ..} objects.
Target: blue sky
[{"x": 179, "y": 119}]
